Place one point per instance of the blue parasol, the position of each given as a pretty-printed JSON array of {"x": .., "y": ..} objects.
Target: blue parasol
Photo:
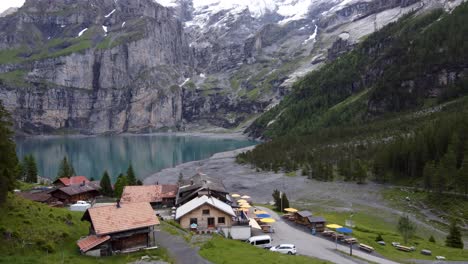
[
  {"x": 263, "y": 216},
  {"x": 344, "y": 230}
]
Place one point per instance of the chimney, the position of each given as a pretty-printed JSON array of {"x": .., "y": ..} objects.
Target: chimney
[
  {"x": 157, "y": 183},
  {"x": 118, "y": 203},
  {"x": 83, "y": 183},
  {"x": 191, "y": 182}
]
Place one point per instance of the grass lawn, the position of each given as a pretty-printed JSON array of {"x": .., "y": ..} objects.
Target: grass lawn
[
  {"x": 227, "y": 251},
  {"x": 31, "y": 232},
  {"x": 371, "y": 223},
  {"x": 443, "y": 205}
]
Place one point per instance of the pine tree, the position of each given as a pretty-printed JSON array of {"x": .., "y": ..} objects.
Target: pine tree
[
  {"x": 360, "y": 173},
  {"x": 181, "y": 177},
  {"x": 448, "y": 166},
  {"x": 406, "y": 228},
  {"x": 106, "y": 186},
  {"x": 428, "y": 175},
  {"x": 31, "y": 169},
  {"x": 462, "y": 177},
  {"x": 284, "y": 201},
  {"x": 66, "y": 169},
  {"x": 432, "y": 239},
  {"x": 454, "y": 239},
  {"x": 120, "y": 185},
  {"x": 439, "y": 181},
  {"x": 131, "y": 178},
  {"x": 277, "y": 199},
  {"x": 8, "y": 158}
]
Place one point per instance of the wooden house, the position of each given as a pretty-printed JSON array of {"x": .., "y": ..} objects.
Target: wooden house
[
  {"x": 74, "y": 180},
  {"x": 41, "y": 197},
  {"x": 78, "y": 192},
  {"x": 118, "y": 228},
  {"x": 157, "y": 195},
  {"x": 200, "y": 185},
  {"x": 206, "y": 213},
  {"x": 301, "y": 217},
  {"x": 317, "y": 223}
]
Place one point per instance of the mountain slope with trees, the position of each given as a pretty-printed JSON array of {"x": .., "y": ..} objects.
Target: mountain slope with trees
[
  {"x": 392, "y": 110},
  {"x": 415, "y": 62}
]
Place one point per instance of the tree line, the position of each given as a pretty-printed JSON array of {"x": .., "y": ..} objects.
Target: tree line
[
  {"x": 434, "y": 157},
  {"x": 127, "y": 179}
]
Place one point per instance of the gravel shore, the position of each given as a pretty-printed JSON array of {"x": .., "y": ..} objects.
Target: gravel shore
[{"x": 244, "y": 179}]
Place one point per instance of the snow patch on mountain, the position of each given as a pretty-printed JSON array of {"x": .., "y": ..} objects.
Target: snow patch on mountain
[{"x": 167, "y": 3}]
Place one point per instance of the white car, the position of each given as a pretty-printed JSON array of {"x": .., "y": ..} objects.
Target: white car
[{"x": 285, "y": 249}]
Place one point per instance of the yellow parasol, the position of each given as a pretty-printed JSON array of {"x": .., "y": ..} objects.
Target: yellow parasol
[
  {"x": 245, "y": 197},
  {"x": 246, "y": 206},
  {"x": 241, "y": 201},
  {"x": 291, "y": 210},
  {"x": 260, "y": 212},
  {"x": 334, "y": 226},
  {"x": 267, "y": 220},
  {"x": 235, "y": 195}
]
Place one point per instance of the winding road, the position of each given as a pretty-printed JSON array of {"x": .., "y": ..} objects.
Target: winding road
[{"x": 313, "y": 246}]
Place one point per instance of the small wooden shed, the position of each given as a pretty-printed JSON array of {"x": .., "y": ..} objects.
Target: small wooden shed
[
  {"x": 301, "y": 217},
  {"x": 317, "y": 223}
]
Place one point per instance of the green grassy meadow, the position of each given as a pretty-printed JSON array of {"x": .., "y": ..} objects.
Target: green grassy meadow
[{"x": 369, "y": 223}]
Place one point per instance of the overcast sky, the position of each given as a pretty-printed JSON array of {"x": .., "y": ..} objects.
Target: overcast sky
[{"x": 5, "y": 4}]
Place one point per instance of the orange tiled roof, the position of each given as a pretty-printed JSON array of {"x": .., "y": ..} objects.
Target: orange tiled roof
[
  {"x": 73, "y": 180},
  {"x": 112, "y": 219},
  {"x": 91, "y": 241},
  {"x": 148, "y": 193}
]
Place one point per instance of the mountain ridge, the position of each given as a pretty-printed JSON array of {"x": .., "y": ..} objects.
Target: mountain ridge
[{"x": 141, "y": 67}]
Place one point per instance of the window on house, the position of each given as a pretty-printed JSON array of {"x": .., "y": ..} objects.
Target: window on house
[
  {"x": 221, "y": 220},
  {"x": 193, "y": 221},
  {"x": 206, "y": 212}
]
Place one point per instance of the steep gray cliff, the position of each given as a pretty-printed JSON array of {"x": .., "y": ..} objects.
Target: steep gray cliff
[{"x": 117, "y": 75}]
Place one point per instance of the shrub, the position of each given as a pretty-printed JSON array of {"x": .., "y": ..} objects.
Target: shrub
[
  {"x": 432, "y": 239},
  {"x": 379, "y": 238}
]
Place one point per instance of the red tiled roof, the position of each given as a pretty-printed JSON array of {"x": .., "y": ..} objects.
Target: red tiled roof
[
  {"x": 91, "y": 241},
  {"x": 72, "y": 180},
  {"x": 111, "y": 219},
  {"x": 148, "y": 193}
]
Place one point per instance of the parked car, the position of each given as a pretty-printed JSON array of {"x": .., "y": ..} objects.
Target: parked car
[
  {"x": 285, "y": 249},
  {"x": 80, "y": 206},
  {"x": 263, "y": 241}
]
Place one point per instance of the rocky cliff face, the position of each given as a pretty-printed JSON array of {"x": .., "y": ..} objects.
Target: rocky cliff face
[
  {"x": 101, "y": 66},
  {"x": 94, "y": 66}
]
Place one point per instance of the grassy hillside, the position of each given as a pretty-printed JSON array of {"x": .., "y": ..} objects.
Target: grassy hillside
[{"x": 35, "y": 233}]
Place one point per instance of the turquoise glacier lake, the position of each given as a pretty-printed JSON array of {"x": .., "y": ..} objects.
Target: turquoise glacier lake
[{"x": 148, "y": 154}]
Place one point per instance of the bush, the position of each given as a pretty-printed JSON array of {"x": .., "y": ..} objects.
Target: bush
[
  {"x": 432, "y": 239},
  {"x": 379, "y": 238},
  {"x": 208, "y": 245}
]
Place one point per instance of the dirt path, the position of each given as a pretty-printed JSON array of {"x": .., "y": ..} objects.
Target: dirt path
[{"x": 178, "y": 249}]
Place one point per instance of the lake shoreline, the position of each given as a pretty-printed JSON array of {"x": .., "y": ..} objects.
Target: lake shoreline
[{"x": 221, "y": 135}]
